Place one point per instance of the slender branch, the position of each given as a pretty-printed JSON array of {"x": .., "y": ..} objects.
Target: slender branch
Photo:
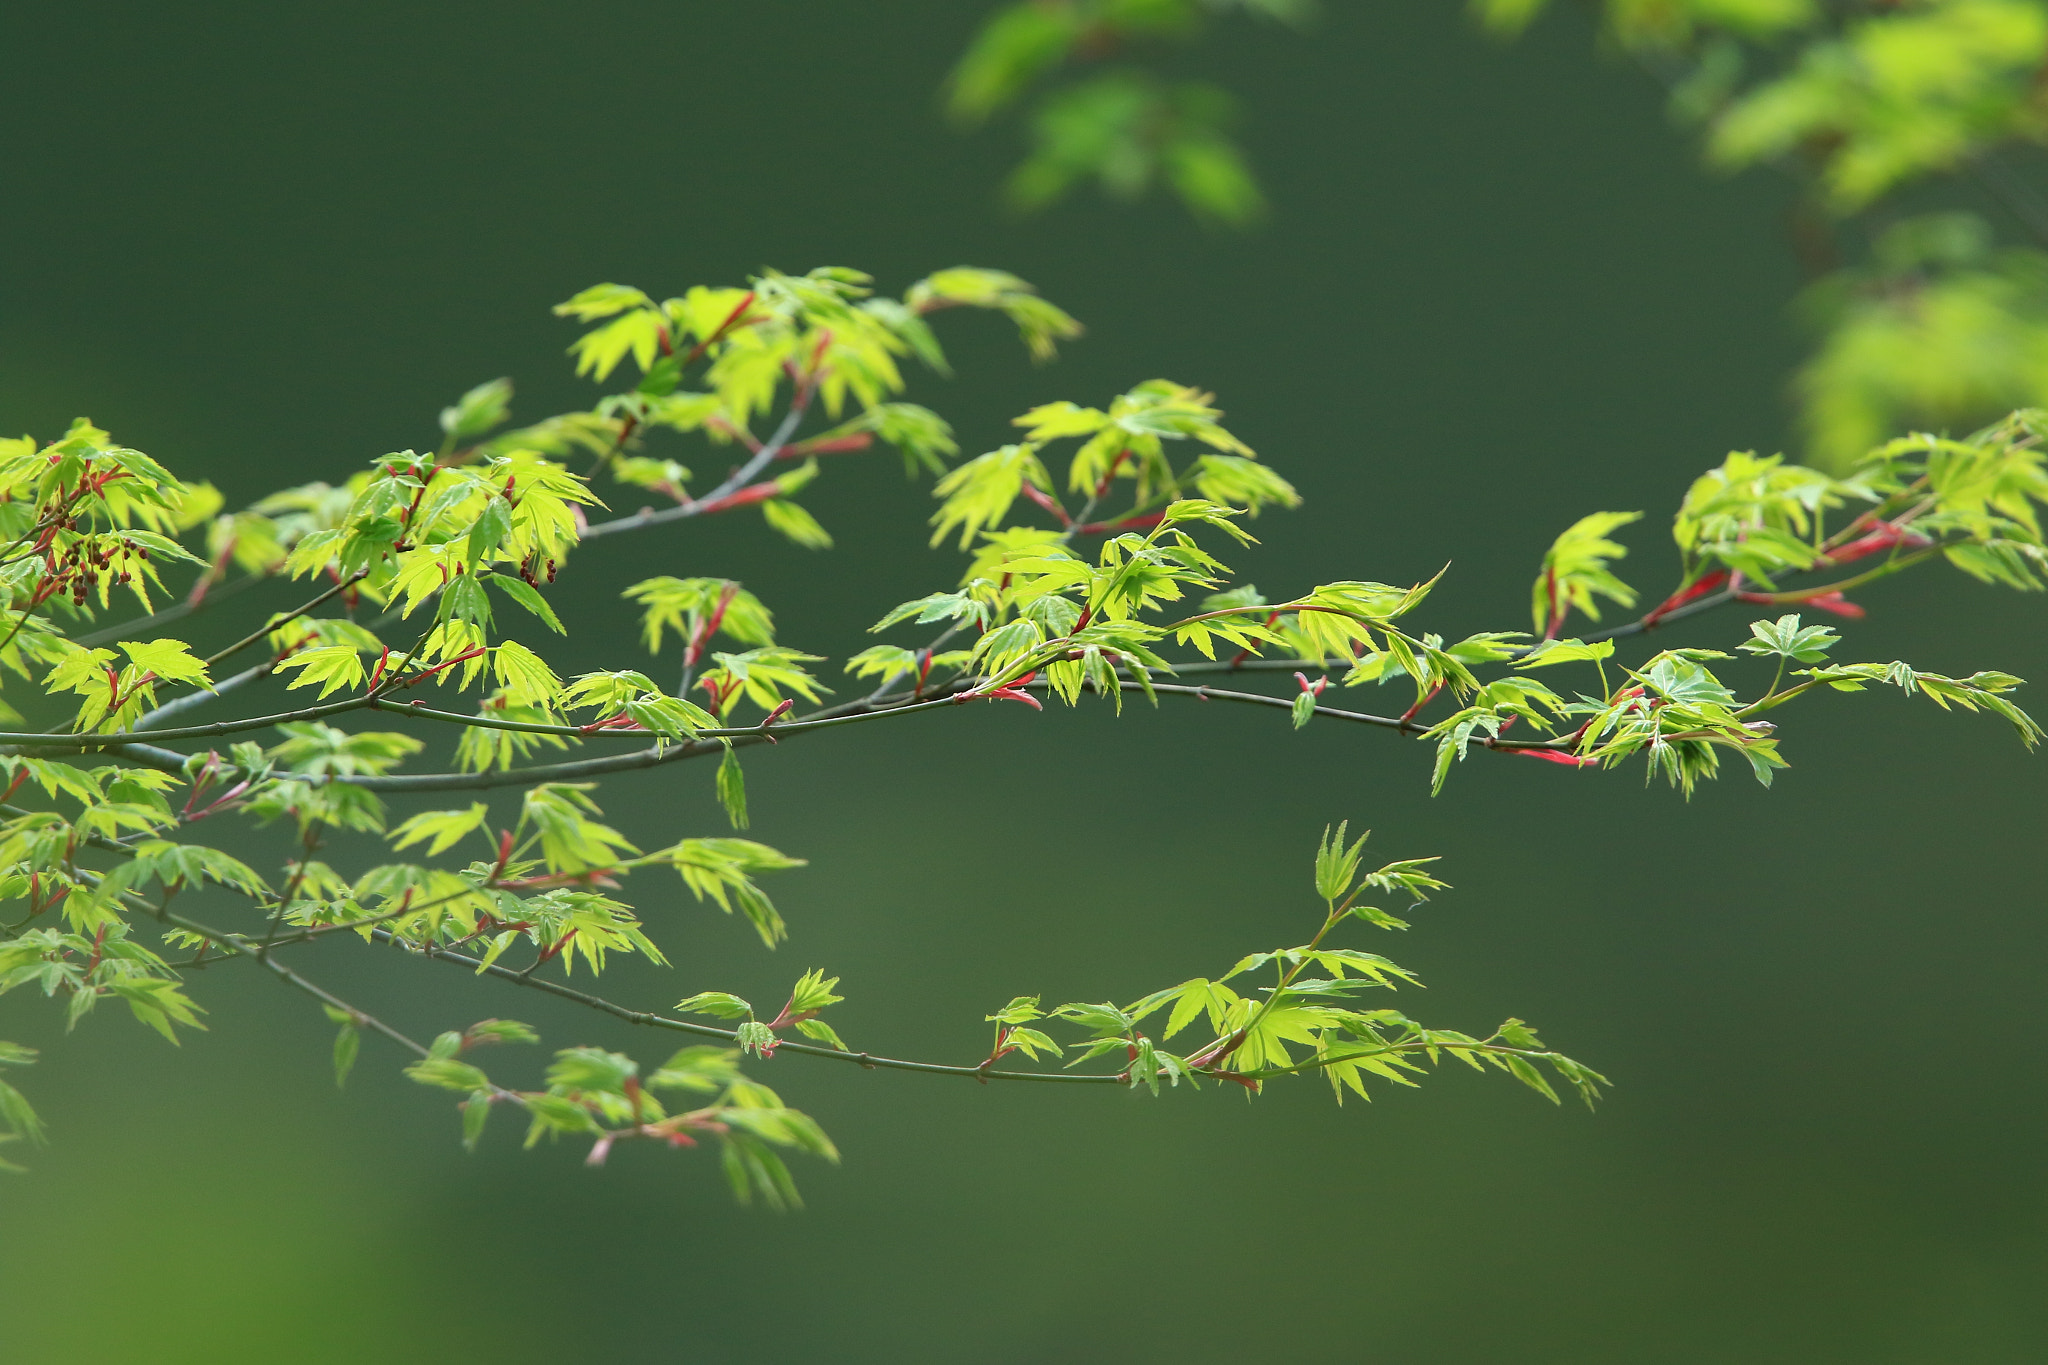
[
  {"x": 179, "y": 705},
  {"x": 341, "y": 585},
  {"x": 632, "y": 1016},
  {"x": 871, "y": 1062},
  {"x": 839, "y": 715},
  {"x": 116, "y": 738},
  {"x": 1649, "y": 623},
  {"x": 1202, "y": 693},
  {"x": 1884, "y": 570},
  {"x": 739, "y": 478},
  {"x": 307, "y": 935},
  {"x": 241, "y": 947},
  {"x": 869, "y": 708},
  {"x": 713, "y": 741},
  {"x": 127, "y": 630},
  {"x": 854, "y": 712},
  {"x": 309, "y": 844}
]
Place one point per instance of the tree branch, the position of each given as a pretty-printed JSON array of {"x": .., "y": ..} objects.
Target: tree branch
[
  {"x": 179, "y": 705},
  {"x": 127, "y": 630},
  {"x": 713, "y": 741},
  {"x": 341, "y": 585},
  {"x": 739, "y": 478},
  {"x": 238, "y": 945},
  {"x": 632, "y": 1016}
]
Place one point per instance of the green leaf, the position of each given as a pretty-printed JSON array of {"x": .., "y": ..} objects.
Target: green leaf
[
  {"x": 823, "y": 1032},
  {"x": 492, "y": 527},
  {"x": 813, "y": 992},
  {"x": 1547, "y": 652},
  {"x": 477, "y": 412},
  {"x": 732, "y": 788},
  {"x": 346, "y": 1043},
  {"x": 1021, "y": 1010},
  {"x": 476, "y": 1112},
  {"x": 718, "y": 1004},
  {"x": 1574, "y": 571},
  {"x": 1337, "y": 863},
  {"x": 444, "y": 827},
  {"x": 499, "y": 1031},
  {"x": 528, "y": 596},
  {"x": 1786, "y": 638},
  {"x": 449, "y": 1074},
  {"x": 170, "y": 659},
  {"x": 1303, "y": 707},
  {"x": 755, "y": 1037},
  {"x": 795, "y": 524}
]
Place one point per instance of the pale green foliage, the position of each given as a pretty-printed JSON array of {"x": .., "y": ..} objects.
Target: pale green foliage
[
  {"x": 1575, "y": 570},
  {"x": 694, "y": 607},
  {"x": 1126, "y": 442},
  {"x": 1304, "y": 1023},
  {"x": 599, "y": 1095},
  {"x": 811, "y": 996},
  {"x": 1093, "y": 567},
  {"x": 1785, "y": 638}
]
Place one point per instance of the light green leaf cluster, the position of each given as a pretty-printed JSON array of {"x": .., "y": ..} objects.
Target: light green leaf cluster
[
  {"x": 811, "y": 996},
  {"x": 1125, "y": 442},
  {"x": 601, "y": 1096},
  {"x": 825, "y": 329},
  {"x": 1302, "y": 1024},
  {"x": 84, "y": 969},
  {"x": 688, "y": 605},
  {"x": 723, "y": 871},
  {"x": 1575, "y": 571}
]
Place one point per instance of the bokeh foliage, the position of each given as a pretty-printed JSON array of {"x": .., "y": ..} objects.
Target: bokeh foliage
[{"x": 1868, "y": 111}]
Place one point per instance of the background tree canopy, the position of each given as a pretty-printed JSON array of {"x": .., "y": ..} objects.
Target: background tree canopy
[
  {"x": 1899, "y": 128},
  {"x": 267, "y": 240}
]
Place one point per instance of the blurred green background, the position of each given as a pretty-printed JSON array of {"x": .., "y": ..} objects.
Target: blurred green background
[{"x": 267, "y": 243}]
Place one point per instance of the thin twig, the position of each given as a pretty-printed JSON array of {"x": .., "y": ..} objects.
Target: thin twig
[
  {"x": 709, "y": 502},
  {"x": 179, "y": 705},
  {"x": 341, "y": 585},
  {"x": 127, "y": 630},
  {"x": 243, "y": 948},
  {"x": 632, "y": 1016}
]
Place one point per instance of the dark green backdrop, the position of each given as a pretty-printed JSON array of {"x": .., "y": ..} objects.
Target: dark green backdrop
[{"x": 266, "y": 243}]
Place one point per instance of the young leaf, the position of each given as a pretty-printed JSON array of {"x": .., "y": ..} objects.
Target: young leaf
[{"x": 732, "y": 788}]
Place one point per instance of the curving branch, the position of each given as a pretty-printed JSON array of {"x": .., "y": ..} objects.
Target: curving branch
[
  {"x": 720, "y": 498},
  {"x": 866, "y": 1060},
  {"x": 127, "y": 630}
]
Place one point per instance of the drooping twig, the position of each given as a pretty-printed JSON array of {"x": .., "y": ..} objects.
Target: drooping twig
[{"x": 659, "y": 1021}]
